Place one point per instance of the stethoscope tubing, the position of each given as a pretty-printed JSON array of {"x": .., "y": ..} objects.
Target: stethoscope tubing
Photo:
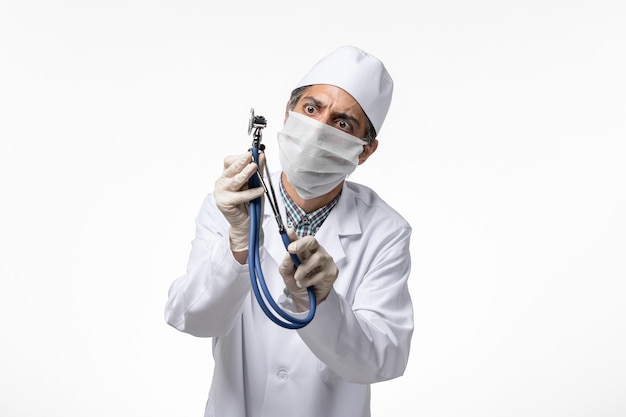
[{"x": 257, "y": 279}]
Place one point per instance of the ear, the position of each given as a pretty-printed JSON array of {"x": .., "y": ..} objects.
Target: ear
[
  {"x": 367, "y": 151},
  {"x": 286, "y": 112}
]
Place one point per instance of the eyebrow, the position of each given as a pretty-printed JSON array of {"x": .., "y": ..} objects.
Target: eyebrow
[{"x": 336, "y": 114}]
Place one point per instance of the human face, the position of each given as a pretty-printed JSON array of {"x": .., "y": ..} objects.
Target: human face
[{"x": 333, "y": 106}]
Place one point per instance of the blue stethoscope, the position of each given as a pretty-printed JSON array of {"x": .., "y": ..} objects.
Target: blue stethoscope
[{"x": 255, "y": 126}]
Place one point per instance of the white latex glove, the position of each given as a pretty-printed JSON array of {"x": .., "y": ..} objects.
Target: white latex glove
[
  {"x": 317, "y": 268},
  {"x": 232, "y": 197}
]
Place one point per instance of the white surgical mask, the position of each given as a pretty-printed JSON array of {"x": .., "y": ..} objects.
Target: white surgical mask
[{"x": 314, "y": 156}]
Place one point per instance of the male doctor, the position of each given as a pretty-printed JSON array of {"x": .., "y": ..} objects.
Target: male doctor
[{"x": 353, "y": 248}]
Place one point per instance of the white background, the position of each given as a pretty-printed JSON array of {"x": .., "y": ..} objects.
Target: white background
[{"x": 504, "y": 148}]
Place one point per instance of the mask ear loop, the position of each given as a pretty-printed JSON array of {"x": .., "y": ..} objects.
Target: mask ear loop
[{"x": 254, "y": 263}]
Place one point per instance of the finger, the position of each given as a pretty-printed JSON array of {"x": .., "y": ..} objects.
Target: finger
[
  {"x": 237, "y": 197},
  {"x": 235, "y": 181},
  {"x": 307, "y": 274},
  {"x": 292, "y": 235},
  {"x": 233, "y": 164},
  {"x": 242, "y": 158},
  {"x": 307, "y": 243},
  {"x": 309, "y": 281},
  {"x": 286, "y": 268},
  {"x": 245, "y": 174}
]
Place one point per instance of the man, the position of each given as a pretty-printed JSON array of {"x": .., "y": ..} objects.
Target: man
[{"x": 353, "y": 248}]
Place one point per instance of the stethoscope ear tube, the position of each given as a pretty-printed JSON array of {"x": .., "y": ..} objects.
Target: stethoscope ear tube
[{"x": 257, "y": 279}]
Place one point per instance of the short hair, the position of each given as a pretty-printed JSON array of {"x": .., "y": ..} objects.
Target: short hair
[{"x": 370, "y": 132}]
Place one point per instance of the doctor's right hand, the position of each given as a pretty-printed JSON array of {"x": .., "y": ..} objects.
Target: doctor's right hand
[{"x": 232, "y": 196}]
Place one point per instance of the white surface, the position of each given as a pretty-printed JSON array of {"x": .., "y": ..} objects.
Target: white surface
[{"x": 504, "y": 147}]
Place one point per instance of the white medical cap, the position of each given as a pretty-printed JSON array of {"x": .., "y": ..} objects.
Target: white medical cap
[{"x": 361, "y": 75}]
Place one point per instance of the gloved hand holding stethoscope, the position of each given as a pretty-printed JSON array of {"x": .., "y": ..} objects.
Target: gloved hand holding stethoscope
[
  {"x": 317, "y": 269},
  {"x": 232, "y": 196},
  {"x": 308, "y": 270}
]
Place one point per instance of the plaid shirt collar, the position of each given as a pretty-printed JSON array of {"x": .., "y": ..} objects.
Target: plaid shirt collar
[{"x": 305, "y": 224}]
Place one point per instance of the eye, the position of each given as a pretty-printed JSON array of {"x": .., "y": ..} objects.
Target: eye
[
  {"x": 344, "y": 125},
  {"x": 309, "y": 109}
]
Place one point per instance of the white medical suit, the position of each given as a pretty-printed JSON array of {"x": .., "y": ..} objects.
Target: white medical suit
[{"x": 360, "y": 334}]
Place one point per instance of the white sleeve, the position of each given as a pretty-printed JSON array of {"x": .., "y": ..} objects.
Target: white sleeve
[
  {"x": 207, "y": 300},
  {"x": 368, "y": 341}
]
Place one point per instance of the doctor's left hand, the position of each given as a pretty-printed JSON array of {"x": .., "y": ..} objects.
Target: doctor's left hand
[{"x": 317, "y": 268}]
